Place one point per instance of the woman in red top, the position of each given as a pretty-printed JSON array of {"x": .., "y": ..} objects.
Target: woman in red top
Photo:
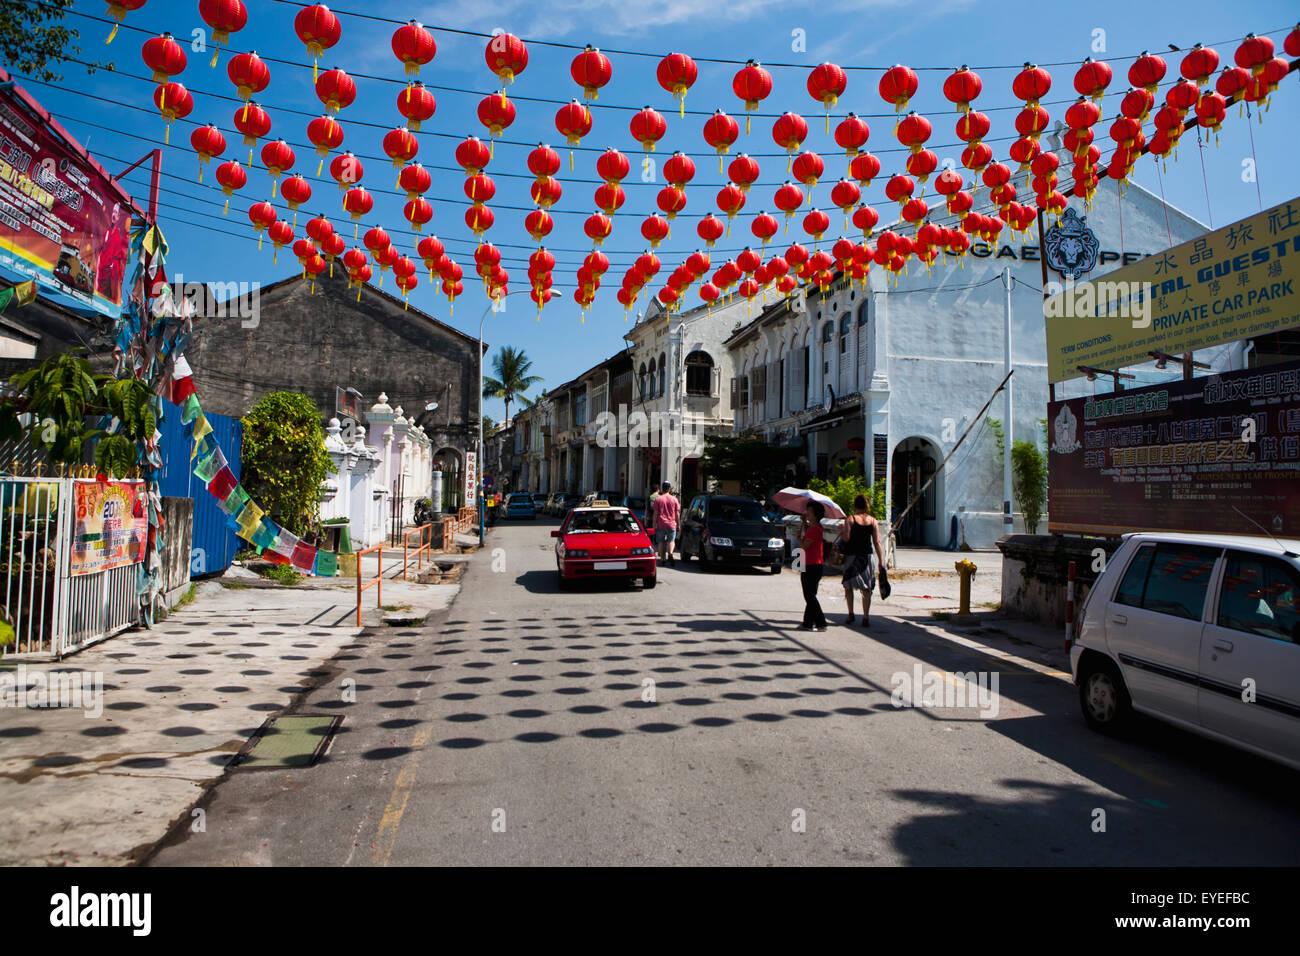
[{"x": 812, "y": 540}]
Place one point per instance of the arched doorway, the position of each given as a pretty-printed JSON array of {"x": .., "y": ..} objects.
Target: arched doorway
[
  {"x": 913, "y": 464},
  {"x": 453, "y": 478}
]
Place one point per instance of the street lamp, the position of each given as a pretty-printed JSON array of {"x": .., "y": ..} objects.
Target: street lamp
[
  {"x": 1092, "y": 374},
  {"x": 1164, "y": 358}
]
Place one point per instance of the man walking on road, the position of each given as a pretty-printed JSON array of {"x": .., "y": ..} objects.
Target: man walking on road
[{"x": 667, "y": 514}]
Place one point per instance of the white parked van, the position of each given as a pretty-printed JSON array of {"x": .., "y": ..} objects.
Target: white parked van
[{"x": 1202, "y": 631}]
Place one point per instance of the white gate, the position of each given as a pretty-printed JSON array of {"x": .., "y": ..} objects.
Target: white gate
[{"x": 47, "y": 610}]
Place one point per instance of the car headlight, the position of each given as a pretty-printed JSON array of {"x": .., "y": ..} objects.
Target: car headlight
[
  {"x": 720, "y": 542},
  {"x": 775, "y": 543},
  {"x": 575, "y": 553},
  {"x": 643, "y": 551}
]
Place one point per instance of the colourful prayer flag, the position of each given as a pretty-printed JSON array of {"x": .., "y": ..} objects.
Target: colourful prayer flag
[
  {"x": 327, "y": 564},
  {"x": 223, "y": 483},
  {"x": 304, "y": 556}
]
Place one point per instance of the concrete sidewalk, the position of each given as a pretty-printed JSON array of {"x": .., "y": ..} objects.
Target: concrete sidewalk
[{"x": 102, "y": 783}]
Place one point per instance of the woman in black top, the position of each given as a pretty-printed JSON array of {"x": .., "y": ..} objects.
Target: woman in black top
[{"x": 858, "y": 536}]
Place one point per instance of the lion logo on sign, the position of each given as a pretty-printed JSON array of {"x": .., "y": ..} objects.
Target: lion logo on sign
[{"x": 1070, "y": 246}]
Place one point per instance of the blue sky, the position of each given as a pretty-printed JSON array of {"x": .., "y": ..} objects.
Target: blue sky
[{"x": 119, "y": 125}]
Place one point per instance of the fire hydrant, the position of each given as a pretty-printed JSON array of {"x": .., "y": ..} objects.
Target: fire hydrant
[{"x": 966, "y": 568}]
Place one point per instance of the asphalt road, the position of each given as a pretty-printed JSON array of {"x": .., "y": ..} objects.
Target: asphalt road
[{"x": 515, "y": 730}]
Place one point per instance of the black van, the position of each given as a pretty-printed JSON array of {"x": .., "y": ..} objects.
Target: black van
[{"x": 727, "y": 529}]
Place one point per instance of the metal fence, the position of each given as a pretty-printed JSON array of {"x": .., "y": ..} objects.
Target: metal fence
[{"x": 47, "y": 610}]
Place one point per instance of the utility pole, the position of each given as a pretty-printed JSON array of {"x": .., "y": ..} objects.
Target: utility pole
[{"x": 1008, "y": 424}]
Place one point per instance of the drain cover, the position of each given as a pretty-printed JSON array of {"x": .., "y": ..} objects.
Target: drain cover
[{"x": 296, "y": 741}]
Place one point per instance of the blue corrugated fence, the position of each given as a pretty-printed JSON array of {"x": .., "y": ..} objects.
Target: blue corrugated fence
[{"x": 214, "y": 543}]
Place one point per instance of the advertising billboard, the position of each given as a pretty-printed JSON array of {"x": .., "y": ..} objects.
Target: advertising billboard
[
  {"x": 1210, "y": 454},
  {"x": 111, "y": 524},
  {"x": 63, "y": 221},
  {"x": 1234, "y": 283}
]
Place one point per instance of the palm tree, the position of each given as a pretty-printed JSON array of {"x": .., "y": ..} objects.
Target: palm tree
[{"x": 511, "y": 366}]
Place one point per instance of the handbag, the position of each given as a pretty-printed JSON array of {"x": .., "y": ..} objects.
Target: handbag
[{"x": 884, "y": 583}]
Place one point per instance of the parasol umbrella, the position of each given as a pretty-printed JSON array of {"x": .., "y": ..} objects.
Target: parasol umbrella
[{"x": 798, "y": 499}]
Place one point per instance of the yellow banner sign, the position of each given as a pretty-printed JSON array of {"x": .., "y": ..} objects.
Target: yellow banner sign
[{"x": 1234, "y": 283}]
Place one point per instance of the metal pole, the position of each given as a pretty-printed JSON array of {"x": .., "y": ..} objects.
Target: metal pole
[
  {"x": 478, "y": 464},
  {"x": 1008, "y": 426}
]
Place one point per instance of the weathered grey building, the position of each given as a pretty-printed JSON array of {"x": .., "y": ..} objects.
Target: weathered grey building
[{"x": 316, "y": 336}]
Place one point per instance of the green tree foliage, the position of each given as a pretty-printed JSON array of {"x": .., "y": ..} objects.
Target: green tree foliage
[
  {"x": 32, "y": 38},
  {"x": 284, "y": 459},
  {"x": 511, "y": 379},
  {"x": 1029, "y": 482},
  {"x": 757, "y": 466},
  {"x": 846, "y": 484},
  {"x": 51, "y": 405}
]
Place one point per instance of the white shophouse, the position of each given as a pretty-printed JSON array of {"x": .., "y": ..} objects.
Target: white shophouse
[{"x": 893, "y": 374}]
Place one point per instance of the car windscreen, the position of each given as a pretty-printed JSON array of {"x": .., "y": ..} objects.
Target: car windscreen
[
  {"x": 591, "y": 522},
  {"x": 733, "y": 511}
]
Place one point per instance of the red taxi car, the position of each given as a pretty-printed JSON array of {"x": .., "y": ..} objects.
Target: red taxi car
[{"x": 603, "y": 542}]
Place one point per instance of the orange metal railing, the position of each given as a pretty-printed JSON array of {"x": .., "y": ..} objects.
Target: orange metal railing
[
  {"x": 377, "y": 583},
  {"x": 425, "y": 546}
]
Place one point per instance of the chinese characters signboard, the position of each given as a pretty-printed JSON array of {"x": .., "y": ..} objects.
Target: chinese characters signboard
[
  {"x": 1180, "y": 457},
  {"x": 1234, "y": 283},
  {"x": 62, "y": 222},
  {"x": 471, "y": 479},
  {"x": 111, "y": 524}
]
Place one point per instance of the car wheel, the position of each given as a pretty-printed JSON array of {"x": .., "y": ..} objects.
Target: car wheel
[
  {"x": 1104, "y": 699},
  {"x": 649, "y": 583},
  {"x": 705, "y": 563},
  {"x": 565, "y": 583},
  {"x": 776, "y": 569}
]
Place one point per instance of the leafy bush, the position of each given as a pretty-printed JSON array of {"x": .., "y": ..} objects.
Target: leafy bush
[
  {"x": 281, "y": 573},
  {"x": 846, "y": 484},
  {"x": 1029, "y": 482},
  {"x": 284, "y": 459}
]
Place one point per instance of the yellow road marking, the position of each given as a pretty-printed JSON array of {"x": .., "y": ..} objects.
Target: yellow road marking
[
  {"x": 392, "y": 817},
  {"x": 1136, "y": 771}
]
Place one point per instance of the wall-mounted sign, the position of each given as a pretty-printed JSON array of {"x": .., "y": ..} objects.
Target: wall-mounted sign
[
  {"x": 1231, "y": 284},
  {"x": 1070, "y": 247},
  {"x": 1183, "y": 456},
  {"x": 471, "y": 479},
  {"x": 111, "y": 524}
]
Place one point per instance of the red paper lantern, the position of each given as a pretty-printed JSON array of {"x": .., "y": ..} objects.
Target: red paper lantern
[
  {"x": 496, "y": 112},
  {"x": 864, "y": 168},
  {"x": 325, "y": 134},
  {"x": 914, "y": 210},
  {"x": 296, "y": 191},
  {"x": 698, "y": 263},
  {"x": 1211, "y": 111},
  {"x": 375, "y": 239},
  {"x": 731, "y": 200},
  {"x": 354, "y": 259},
  {"x": 922, "y": 164},
  {"x": 961, "y": 87},
  {"x": 948, "y": 182},
  {"x": 506, "y": 56},
  {"x": 1253, "y": 53},
  {"x": 1031, "y": 122},
  {"x": 473, "y": 154},
  {"x": 647, "y": 127},
  {"x": 808, "y": 168},
  {"x": 414, "y": 179},
  {"x": 655, "y": 229},
  {"x": 591, "y": 70},
  {"x": 401, "y": 146},
  {"x": 414, "y": 46},
  {"x": 261, "y": 214},
  {"x": 417, "y": 104},
  {"x": 720, "y": 131},
  {"x": 612, "y": 166},
  {"x": 249, "y": 73},
  {"x": 479, "y": 219},
  {"x": 972, "y": 127},
  {"x": 1182, "y": 96},
  {"x": 1031, "y": 84},
  {"x": 788, "y": 199},
  {"x": 900, "y": 188},
  {"x": 598, "y": 227},
  {"x": 538, "y": 224},
  {"x": 1147, "y": 71},
  {"x": 207, "y": 141},
  {"x": 1137, "y": 103},
  {"x": 976, "y": 156},
  {"x": 251, "y": 120},
  {"x": 278, "y": 157},
  {"x": 826, "y": 84},
  {"x": 546, "y": 192},
  {"x": 357, "y": 202},
  {"x": 752, "y": 84},
  {"x": 164, "y": 56},
  {"x": 346, "y": 170},
  {"x": 1092, "y": 78},
  {"x": 478, "y": 189},
  {"x": 671, "y": 200},
  {"x": 1199, "y": 64},
  {"x": 609, "y": 198},
  {"x": 335, "y": 89},
  {"x": 816, "y": 223},
  {"x": 913, "y": 131},
  {"x": 677, "y": 74},
  {"x": 417, "y": 212},
  {"x": 764, "y": 227},
  {"x": 710, "y": 229},
  {"x": 319, "y": 230},
  {"x": 319, "y": 29},
  {"x": 789, "y": 131},
  {"x": 865, "y": 218},
  {"x": 543, "y": 162},
  {"x": 851, "y": 134},
  {"x": 574, "y": 122},
  {"x": 224, "y": 17},
  {"x": 897, "y": 86},
  {"x": 678, "y": 170},
  {"x": 230, "y": 176},
  {"x": 174, "y": 102},
  {"x": 118, "y": 10}
]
